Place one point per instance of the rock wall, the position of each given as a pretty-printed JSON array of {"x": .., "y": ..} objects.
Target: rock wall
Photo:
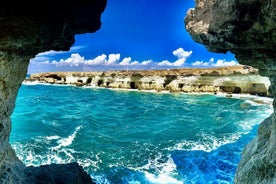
[
  {"x": 235, "y": 79},
  {"x": 247, "y": 29},
  {"x": 28, "y": 28}
]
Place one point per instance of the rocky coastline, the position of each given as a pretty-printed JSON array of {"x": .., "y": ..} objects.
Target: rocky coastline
[{"x": 232, "y": 80}]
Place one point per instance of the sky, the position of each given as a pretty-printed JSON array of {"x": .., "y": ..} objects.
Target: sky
[{"x": 144, "y": 34}]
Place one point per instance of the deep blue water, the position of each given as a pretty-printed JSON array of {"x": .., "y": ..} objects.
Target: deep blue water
[{"x": 132, "y": 136}]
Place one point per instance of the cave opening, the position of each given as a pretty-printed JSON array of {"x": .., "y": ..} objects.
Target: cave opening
[
  {"x": 100, "y": 82},
  {"x": 180, "y": 86},
  {"x": 133, "y": 85},
  {"x": 89, "y": 80},
  {"x": 237, "y": 90},
  {"x": 54, "y": 76}
]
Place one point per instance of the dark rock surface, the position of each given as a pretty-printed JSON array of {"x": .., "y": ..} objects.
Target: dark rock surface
[
  {"x": 71, "y": 173},
  {"x": 29, "y": 27},
  {"x": 247, "y": 29}
]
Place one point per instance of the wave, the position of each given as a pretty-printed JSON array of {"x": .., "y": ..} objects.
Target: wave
[
  {"x": 161, "y": 170},
  {"x": 41, "y": 151},
  {"x": 206, "y": 143},
  {"x": 166, "y": 173},
  {"x": 64, "y": 142}
]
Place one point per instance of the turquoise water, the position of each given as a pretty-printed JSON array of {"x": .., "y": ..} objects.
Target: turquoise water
[{"x": 132, "y": 136}]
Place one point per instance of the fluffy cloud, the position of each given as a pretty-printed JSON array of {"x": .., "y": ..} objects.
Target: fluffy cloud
[
  {"x": 103, "y": 62},
  {"x": 212, "y": 63},
  {"x": 182, "y": 56},
  {"x": 77, "y": 62}
]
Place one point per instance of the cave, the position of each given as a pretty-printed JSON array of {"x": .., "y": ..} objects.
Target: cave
[
  {"x": 133, "y": 85},
  {"x": 237, "y": 90},
  {"x": 89, "y": 80},
  {"x": 100, "y": 82},
  {"x": 180, "y": 86},
  {"x": 54, "y": 77},
  {"x": 169, "y": 79}
]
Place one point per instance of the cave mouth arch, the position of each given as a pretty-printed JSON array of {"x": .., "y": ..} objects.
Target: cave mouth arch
[
  {"x": 133, "y": 85},
  {"x": 237, "y": 90}
]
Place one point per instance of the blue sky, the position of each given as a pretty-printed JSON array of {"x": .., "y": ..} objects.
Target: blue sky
[{"x": 144, "y": 34}]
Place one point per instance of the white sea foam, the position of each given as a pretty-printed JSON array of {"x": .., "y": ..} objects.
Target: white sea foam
[
  {"x": 64, "y": 142},
  {"x": 54, "y": 137},
  {"x": 206, "y": 143},
  {"x": 101, "y": 179},
  {"x": 58, "y": 154},
  {"x": 166, "y": 174},
  {"x": 31, "y": 82},
  {"x": 162, "y": 179}
]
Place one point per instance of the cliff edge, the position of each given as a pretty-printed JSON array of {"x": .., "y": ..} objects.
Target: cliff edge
[
  {"x": 232, "y": 79},
  {"x": 248, "y": 30}
]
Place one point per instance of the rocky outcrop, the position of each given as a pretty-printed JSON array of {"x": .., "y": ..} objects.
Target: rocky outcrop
[
  {"x": 235, "y": 79},
  {"x": 247, "y": 29},
  {"x": 28, "y": 28},
  {"x": 57, "y": 173}
]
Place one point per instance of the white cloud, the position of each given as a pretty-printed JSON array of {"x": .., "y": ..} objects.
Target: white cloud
[
  {"x": 225, "y": 63},
  {"x": 146, "y": 62},
  {"x": 102, "y": 62},
  {"x": 199, "y": 63},
  {"x": 165, "y": 63},
  {"x": 181, "y": 53},
  {"x": 212, "y": 60},
  {"x": 113, "y": 59},
  {"x": 212, "y": 63},
  {"x": 76, "y": 62},
  {"x": 99, "y": 60},
  {"x": 126, "y": 61},
  {"x": 182, "y": 56}
]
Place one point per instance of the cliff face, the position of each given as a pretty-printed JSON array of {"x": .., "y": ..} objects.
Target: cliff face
[
  {"x": 247, "y": 29},
  {"x": 235, "y": 79},
  {"x": 28, "y": 28}
]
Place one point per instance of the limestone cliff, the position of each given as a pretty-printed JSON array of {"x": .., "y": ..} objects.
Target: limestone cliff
[
  {"x": 247, "y": 29},
  {"x": 28, "y": 28},
  {"x": 235, "y": 79}
]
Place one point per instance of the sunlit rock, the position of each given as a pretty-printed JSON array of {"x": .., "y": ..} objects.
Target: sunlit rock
[{"x": 235, "y": 79}]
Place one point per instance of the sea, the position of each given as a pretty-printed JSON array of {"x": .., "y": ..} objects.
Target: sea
[{"x": 136, "y": 137}]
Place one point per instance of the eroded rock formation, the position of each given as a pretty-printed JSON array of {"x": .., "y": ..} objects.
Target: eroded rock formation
[
  {"x": 234, "y": 79},
  {"x": 247, "y": 29},
  {"x": 28, "y": 28}
]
